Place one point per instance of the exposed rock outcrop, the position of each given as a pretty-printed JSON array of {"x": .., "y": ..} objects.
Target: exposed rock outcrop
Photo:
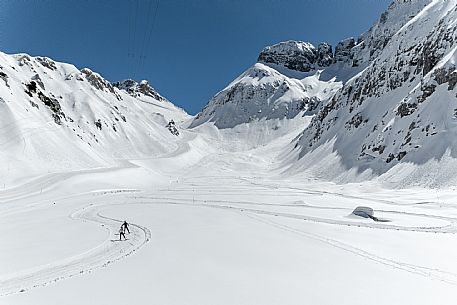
[
  {"x": 343, "y": 50},
  {"x": 297, "y": 55},
  {"x": 135, "y": 89},
  {"x": 402, "y": 105}
]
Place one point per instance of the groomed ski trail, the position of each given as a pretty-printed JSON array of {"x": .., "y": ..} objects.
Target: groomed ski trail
[
  {"x": 110, "y": 251},
  {"x": 432, "y": 273}
]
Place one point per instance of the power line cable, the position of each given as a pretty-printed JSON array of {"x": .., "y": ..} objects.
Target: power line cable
[
  {"x": 129, "y": 46},
  {"x": 149, "y": 36},
  {"x": 134, "y": 44},
  {"x": 145, "y": 36}
]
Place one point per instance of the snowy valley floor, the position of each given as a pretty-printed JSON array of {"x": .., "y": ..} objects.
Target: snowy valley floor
[{"x": 217, "y": 227}]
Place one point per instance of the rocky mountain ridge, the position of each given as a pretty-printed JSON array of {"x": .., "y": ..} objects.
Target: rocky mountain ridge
[
  {"x": 281, "y": 85},
  {"x": 264, "y": 93},
  {"x": 298, "y": 55},
  {"x": 288, "y": 64},
  {"x": 402, "y": 107},
  {"x": 55, "y": 116},
  {"x": 136, "y": 89},
  {"x": 390, "y": 99}
]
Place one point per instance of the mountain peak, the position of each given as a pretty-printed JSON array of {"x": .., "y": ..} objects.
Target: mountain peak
[
  {"x": 297, "y": 55},
  {"x": 136, "y": 89}
]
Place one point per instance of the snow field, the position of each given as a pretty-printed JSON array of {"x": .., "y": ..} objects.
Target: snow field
[{"x": 219, "y": 227}]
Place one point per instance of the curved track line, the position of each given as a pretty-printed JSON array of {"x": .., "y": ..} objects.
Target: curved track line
[
  {"x": 432, "y": 273},
  {"x": 41, "y": 183},
  {"x": 101, "y": 256},
  {"x": 109, "y": 252},
  {"x": 450, "y": 227}
]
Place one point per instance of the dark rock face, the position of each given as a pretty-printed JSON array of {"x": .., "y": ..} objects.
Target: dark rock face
[
  {"x": 449, "y": 76},
  {"x": 135, "y": 89},
  {"x": 4, "y": 77},
  {"x": 324, "y": 54},
  {"x": 52, "y": 103},
  {"x": 355, "y": 121},
  {"x": 172, "y": 128},
  {"x": 47, "y": 63},
  {"x": 146, "y": 89},
  {"x": 97, "y": 81},
  {"x": 128, "y": 85},
  {"x": 38, "y": 80},
  {"x": 98, "y": 124},
  {"x": 343, "y": 50},
  {"x": 406, "y": 109},
  {"x": 297, "y": 55},
  {"x": 31, "y": 88}
]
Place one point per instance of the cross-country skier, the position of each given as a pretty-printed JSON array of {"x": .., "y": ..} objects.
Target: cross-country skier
[
  {"x": 126, "y": 226},
  {"x": 121, "y": 233}
]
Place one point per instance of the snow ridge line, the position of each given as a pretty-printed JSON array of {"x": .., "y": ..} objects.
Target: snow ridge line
[{"x": 99, "y": 257}]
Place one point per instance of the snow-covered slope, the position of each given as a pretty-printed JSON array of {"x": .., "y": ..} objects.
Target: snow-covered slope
[
  {"x": 271, "y": 89},
  {"x": 384, "y": 104},
  {"x": 263, "y": 92},
  {"x": 371, "y": 43},
  {"x": 276, "y": 86},
  {"x": 55, "y": 117},
  {"x": 398, "y": 116}
]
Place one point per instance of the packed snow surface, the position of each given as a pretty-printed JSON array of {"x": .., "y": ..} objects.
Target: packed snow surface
[{"x": 213, "y": 223}]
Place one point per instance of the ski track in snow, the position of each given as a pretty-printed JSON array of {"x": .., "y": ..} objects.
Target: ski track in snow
[
  {"x": 110, "y": 251},
  {"x": 40, "y": 184},
  {"x": 262, "y": 216},
  {"x": 433, "y": 273},
  {"x": 450, "y": 227}
]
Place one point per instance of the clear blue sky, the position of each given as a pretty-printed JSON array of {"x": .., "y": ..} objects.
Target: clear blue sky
[{"x": 196, "y": 47}]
